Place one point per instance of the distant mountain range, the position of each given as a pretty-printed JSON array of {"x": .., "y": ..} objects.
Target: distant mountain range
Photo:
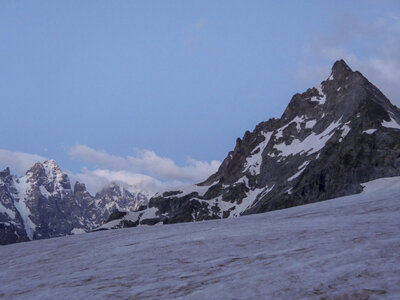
[
  {"x": 329, "y": 140},
  {"x": 42, "y": 204}
]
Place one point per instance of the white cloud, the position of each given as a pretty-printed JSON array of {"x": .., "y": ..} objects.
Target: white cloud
[
  {"x": 373, "y": 48},
  {"x": 18, "y": 162},
  {"x": 95, "y": 180},
  {"x": 87, "y": 154},
  {"x": 148, "y": 162}
]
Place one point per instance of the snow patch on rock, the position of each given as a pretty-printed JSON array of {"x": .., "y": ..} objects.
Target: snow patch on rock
[
  {"x": 391, "y": 124},
  {"x": 321, "y": 98},
  {"x": 253, "y": 162},
  {"x": 369, "y": 131},
  {"x": 311, "y": 144},
  {"x": 23, "y": 187}
]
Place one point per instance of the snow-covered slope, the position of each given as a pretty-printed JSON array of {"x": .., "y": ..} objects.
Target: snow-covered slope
[{"x": 347, "y": 248}]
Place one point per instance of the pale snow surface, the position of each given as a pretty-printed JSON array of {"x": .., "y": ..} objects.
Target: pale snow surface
[
  {"x": 391, "y": 124},
  {"x": 298, "y": 120},
  {"x": 295, "y": 175},
  {"x": 346, "y": 248},
  {"x": 311, "y": 144},
  {"x": 369, "y": 131},
  {"x": 77, "y": 231},
  {"x": 248, "y": 201},
  {"x": 310, "y": 123},
  {"x": 321, "y": 98},
  {"x": 304, "y": 164},
  {"x": 345, "y": 130},
  {"x": 23, "y": 187},
  {"x": 253, "y": 162}
]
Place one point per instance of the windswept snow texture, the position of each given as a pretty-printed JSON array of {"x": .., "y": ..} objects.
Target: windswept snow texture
[{"x": 346, "y": 248}]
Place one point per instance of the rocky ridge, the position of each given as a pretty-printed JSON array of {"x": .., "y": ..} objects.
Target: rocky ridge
[
  {"x": 42, "y": 204},
  {"x": 329, "y": 140}
]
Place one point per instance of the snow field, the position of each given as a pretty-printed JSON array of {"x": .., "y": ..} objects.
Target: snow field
[{"x": 345, "y": 247}]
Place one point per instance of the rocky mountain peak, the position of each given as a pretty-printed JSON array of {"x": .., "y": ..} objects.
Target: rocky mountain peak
[
  {"x": 344, "y": 95},
  {"x": 340, "y": 69},
  {"x": 48, "y": 174},
  {"x": 51, "y": 166},
  {"x": 48, "y": 168},
  {"x": 115, "y": 197},
  {"x": 36, "y": 174},
  {"x": 329, "y": 140},
  {"x": 53, "y": 171},
  {"x": 36, "y": 169},
  {"x": 79, "y": 187},
  {"x": 41, "y": 204},
  {"x": 112, "y": 189},
  {"x": 5, "y": 172}
]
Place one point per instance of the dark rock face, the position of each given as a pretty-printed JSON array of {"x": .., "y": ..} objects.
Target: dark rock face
[
  {"x": 329, "y": 140},
  {"x": 41, "y": 204},
  {"x": 11, "y": 224},
  {"x": 116, "y": 215}
]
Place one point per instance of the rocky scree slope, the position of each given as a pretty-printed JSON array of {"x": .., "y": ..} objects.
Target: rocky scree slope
[
  {"x": 41, "y": 204},
  {"x": 329, "y": 140}
]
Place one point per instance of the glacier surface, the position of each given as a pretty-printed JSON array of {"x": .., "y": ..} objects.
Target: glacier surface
[{"x": 348, "y": 247}]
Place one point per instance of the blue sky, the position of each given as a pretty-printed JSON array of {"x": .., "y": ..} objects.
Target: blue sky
[{"x": 129, "y": 88}]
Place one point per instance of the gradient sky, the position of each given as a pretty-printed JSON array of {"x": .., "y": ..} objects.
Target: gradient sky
[{"x": 132, "y": 87}]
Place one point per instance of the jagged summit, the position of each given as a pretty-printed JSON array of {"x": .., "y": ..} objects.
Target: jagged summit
[
  {"x": 329, "y": 140},
  {"x": 51, "y": 165},
  {"x": 340, "y": 68},
  {"x": 41, "y": 204},
  {"x": 36, "y": 168},
  {"x": 5, "y": 172},
  {"x": 79, "y": 187}
]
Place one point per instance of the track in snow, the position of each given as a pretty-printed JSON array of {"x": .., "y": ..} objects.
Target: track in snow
[{"x": 348, "y": 246}]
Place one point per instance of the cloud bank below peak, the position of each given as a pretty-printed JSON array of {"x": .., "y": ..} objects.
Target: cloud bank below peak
[
  {"x": 96, "y": 179},
  {"x": 147, "y": 162},
  {"x": 145, "y": 172}
]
